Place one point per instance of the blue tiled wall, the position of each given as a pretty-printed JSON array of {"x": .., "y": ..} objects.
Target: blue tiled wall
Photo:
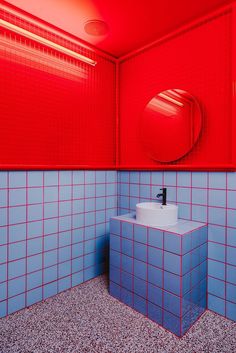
[
  {"x": 202, "y": 196},
  {"x": 54, "y": 229}
]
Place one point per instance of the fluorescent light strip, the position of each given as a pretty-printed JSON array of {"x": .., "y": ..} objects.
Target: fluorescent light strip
[
  {"x": 46, "y": 42},
  {"x": 163, "y": 95}
]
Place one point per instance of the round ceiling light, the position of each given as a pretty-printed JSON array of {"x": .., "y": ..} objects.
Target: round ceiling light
[{"x": 96, "y": 28}]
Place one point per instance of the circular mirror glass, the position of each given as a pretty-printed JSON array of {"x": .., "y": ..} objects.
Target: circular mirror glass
[{"x": 170, "y": 125}]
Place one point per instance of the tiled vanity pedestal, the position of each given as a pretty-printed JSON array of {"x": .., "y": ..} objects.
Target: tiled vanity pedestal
[{"x": 160, "y": 272}]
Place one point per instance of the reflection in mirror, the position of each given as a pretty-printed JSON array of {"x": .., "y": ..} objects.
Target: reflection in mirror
[{"x": 170, "y": 125}]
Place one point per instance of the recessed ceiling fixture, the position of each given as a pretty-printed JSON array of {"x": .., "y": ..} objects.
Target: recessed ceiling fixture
[
  {"x": 46, "y": 42},
  {"x": 96, "y": 28}
]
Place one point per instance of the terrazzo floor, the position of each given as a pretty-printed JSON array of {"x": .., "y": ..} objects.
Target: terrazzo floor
[{"x": 87, "y": 319}]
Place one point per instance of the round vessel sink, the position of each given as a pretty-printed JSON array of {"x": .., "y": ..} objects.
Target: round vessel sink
[{"x": 155, "y": 214}]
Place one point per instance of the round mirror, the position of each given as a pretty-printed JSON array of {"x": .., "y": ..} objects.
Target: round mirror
[{"x": 170, "y": 125}]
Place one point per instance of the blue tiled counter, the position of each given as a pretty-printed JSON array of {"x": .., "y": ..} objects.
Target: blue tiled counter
[{"x": 160, "y": 272}]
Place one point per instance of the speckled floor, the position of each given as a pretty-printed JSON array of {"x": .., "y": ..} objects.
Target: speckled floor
[{"x": 87, "y": 319}]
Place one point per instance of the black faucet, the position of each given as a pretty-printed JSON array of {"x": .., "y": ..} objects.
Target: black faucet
[{"x": 164, "y": 194}]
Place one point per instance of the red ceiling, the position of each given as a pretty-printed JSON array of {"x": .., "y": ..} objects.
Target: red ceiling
[{"x": 132, "y": 23}]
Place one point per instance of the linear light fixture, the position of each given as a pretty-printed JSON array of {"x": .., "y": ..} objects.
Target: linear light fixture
[
  {"x": 46, "y": 42},
  {"x": 165, "y": 96}
]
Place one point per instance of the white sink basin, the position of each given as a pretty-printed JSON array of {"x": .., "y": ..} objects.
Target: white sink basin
[{"x": 155, "y": 214}]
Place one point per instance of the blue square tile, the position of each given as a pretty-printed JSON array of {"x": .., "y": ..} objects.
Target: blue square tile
[
  {"x": 231, "y": 273},
  {"x": 77, "y": 235},
  {"x": 64, "y": 238},
  {"x": 217, "y": 198},
  {"x": 34, "y": 296},
  {"x": 231, "y": 218},
  {"x": 155, "y": 238},
  {"x": 78, "y": 192},
  {"x": 187, "y": 242},
  {"x": 186, "y": 283},
  {"x": 216, "y": 287},
  {"x": 145, "y": 177},
  {"x": 51, "y": 178},
  {"x": 34, "y": 246},
  {"x": 216, "y": 269},
  {"x": 171, "y": 303},
  {"x": 3, "y": 216},
  {"x": 134, "y": 190},
  {"x": 155, "y": 275},
  {"x": 217, "y": 180},
  {"x": 17, "y": 250},
  {"x": 172, "y": 242},
  {"x": 50, "y": 226},
  {"x": 64, "y": 223},
  {"x": 34, "y": 280},
  {"x": 77, "y": 264},
  {"x": 184, "y": 211},
  {"x": 34, "y": 263},
  {"x": 16, "y": 303},
  {"x": 216, "y": 252},
  {"x": 172, "y": 262},
  {"x": 231, "y": 180},
  {"x": 90, "y": 177},
  {"x": 231, "y": 311},
  {"x": 16, "y": 268},
  {"x": 199, "y": 179},
  {"x": 51, "y": 194},
  {"x": 172, "y": 323},
  {"x": 114, "y": 290},
  {"x": 89, "y": 260},
  {"x": 216, "y": 304},
  {"x": 140, "y": 233},
  {"x": 17, "y": 179},
  {"x": 3, "y": 291},
  {"x": 35, "y": 178},
  {"x": 89, "y": 232},
  {"x": 49, "y": 290},
  {"x": 3, "y": 272},
  {"x": 170, "y": 178},
  {"x": 3, "y": 309},
  {"x": 64, "y": 269},
  {"x": 64, "y": 253},
  {"x": 231, "y": 236},
  {"x": 155, "y": 313},
  {"x": 231, "y": 199},
  {"x": 100, "y": 190},
  {"x": 217, "y": 215},
  {"x": 50, "y": 274},
  {"x": 199, "y": 213},
  {"x": 3, "y": 198},
  {"x": 65, "y": 193},
  {"x": 51, "y": 210},
  {"x": 155, "y": 257},
  {"x": 231, "y": 292},
  {"x": 186, "y": 263},
  {"x": 155, "y": 294},
  {"x": 35, "y": 195},
  {"x": 35, "y": 212},
  {"x": 16, "y": 286},
  {"x": 126, "y": 297},
  {"x": 184, "y": 195},
  {"x": 50, "y": 258},
  {"x": 3, "y": 179},
  {"x": 127, "y": 247},
  {"x": 231, "y": 255},
  {"x": 123, "y": 177},
  {"x": 140, "y": 287},
  {"x": 140, "y": 269},
  {"x": 216, "y": 233},
  {"x": 115, "y": 226},
  {"x": 115, "y": 259},
  {"x": 65, "y": 177},
  {"x": 157, "y": 178},
  {"x": 126, "y": 280},
  {"x": 3, "y": 235},
  {"x": 199, "y": 196},
  {"x": 3, "y": 253},
  {"x": 184, "y": 178},
  {"x": 140, "y": 304},
  {"x": 90, "y": 190},
  {"x": 89, "y": 219},
  {"x": 172, "y": 283},
  {"x": 77, "y": 278},
  {"x": 78, "y": 177},
  {"x": 65, "y": 208},
  {"x": 16, "y": 214},
  {"x": 140, "y": 251}
]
